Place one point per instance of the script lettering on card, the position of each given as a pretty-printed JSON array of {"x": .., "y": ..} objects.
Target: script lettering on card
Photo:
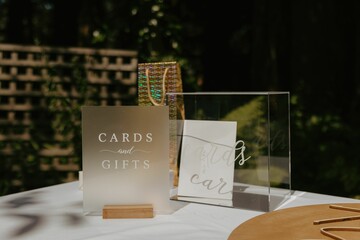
[{"x": 207, "y": 159}]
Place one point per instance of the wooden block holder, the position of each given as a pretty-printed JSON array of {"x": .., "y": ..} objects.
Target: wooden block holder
[{"x": 128, "y": 211}]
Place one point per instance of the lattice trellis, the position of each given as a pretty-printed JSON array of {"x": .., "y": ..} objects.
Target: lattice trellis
[{"x": 32, "y": 76}]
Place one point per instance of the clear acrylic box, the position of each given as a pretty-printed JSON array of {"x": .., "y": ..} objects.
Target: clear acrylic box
[{"x": 263, "y": 181}]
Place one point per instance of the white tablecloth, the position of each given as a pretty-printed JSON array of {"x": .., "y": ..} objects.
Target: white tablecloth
[{"x": 56, "y": 213}]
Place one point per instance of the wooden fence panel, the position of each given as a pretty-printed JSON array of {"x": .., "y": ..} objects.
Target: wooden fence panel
[{"x": 31, "y": 77}]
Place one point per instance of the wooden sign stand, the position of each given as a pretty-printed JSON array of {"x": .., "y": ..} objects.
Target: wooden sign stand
[{"x": 128, "y": 211}]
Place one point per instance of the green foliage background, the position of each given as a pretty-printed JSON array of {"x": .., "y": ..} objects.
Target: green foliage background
[{"x": 310, "y": 48}]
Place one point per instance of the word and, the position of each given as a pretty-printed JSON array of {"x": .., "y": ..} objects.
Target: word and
[{"x": 128, "y": 151}]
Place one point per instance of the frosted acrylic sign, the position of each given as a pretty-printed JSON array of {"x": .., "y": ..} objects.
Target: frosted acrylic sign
[{"x": 125, "y": 157}]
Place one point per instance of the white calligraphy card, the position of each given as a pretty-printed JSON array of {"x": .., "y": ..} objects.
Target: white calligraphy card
[
  {"x": 207, "y": 159},
  {"x": 125, "y": 157}
]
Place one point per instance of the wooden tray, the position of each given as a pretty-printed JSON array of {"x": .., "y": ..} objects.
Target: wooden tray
[{"x": 297, "y": 223}]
